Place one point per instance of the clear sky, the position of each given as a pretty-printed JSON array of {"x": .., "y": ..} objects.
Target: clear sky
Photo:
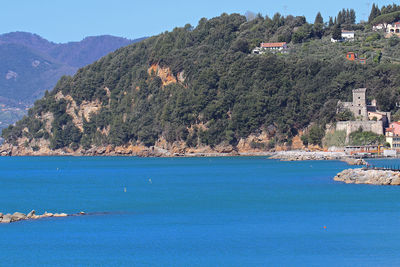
[{"x": 72, "y": 20}]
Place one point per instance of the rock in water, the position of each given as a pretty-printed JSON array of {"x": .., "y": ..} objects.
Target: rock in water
[
  {"x": 369, "y": 176},
  {"x": 17, "y": 216},
  {"x": 31, "y": 214},
  {"x": 6, "y": 218}
]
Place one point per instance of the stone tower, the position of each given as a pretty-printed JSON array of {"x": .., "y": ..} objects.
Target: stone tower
[{"x": 359, "y": 105}]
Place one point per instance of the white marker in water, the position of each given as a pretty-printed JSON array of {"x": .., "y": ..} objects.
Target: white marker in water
[
  {"x": 125, "y": 189},
  {"x": 150, "y": 181}
]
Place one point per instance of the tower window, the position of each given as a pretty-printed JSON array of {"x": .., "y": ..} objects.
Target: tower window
[{"x": 359, "y": 112}]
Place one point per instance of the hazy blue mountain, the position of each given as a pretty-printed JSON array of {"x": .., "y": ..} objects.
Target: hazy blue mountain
[{"x": 30, "y": 65}]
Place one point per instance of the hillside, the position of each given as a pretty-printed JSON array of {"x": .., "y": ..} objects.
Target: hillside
[
  {"x": 30, "y": 65},
  {"x": 200, "y": 89}
]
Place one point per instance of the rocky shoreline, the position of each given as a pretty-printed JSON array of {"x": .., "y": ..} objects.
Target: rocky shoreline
[
  {"x": 368, "y": 176},
  {"x": 219, "y": 151},
  {"x": 18, "y": 216},
  {"x": 139, "y": 151}
]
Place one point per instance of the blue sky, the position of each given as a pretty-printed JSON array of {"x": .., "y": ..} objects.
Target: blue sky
[{"x": 72, "y": 20}]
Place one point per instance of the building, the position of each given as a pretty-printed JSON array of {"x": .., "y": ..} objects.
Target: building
[
  {"x": 351, "y": 56},
  {"x": 359, "y": 105},
  {"x": 367, "y": 117},
  {"x": 393, "y": 29},
  {"x": 361, "y": 110},
  {"x": 345, "y": 36},
  {"x": 362, "y": 60},
  {"x": 348, "y": 35},
  {"x": 393, "y": 135},
  {"x": 273, "y": 47},
  {"x": 389, "y": 28}
]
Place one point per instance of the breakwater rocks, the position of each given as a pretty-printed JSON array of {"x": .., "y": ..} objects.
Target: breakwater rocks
[
  {"x": 353, "y": 161},
  {"x": 318, "y": 155},
  {"x": 368, "y": 176},
  {"x": 307, "y": 155},
  {"x": 18, "y": 216}
]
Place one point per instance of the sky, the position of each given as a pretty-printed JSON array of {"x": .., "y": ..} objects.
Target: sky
[{"x": 72, "y": 20}]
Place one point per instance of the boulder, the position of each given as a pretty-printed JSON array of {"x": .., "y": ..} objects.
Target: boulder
[
  {"x": 6, "y": 218},
  {"x": 60, "y": 215},
  {"x": 17, "y": 216},
  {"x": 31, "y": 214}
]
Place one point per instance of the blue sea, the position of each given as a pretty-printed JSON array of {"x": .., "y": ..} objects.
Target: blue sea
[{"x": 240, "y": 211}]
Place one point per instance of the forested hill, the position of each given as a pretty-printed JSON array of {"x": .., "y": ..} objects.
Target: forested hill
[{"x": 201, "y": 86}]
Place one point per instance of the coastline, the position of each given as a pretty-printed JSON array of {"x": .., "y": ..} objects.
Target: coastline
[{"x": 220, "y": 151}]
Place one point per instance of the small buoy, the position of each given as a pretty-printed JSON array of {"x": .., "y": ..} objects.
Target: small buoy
[
  {"x": 150, "y": 181},
  {"x": 125, "y": 189},
  {"x": 324, "y": 227}
]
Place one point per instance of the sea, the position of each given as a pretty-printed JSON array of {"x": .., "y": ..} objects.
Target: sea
[{"x": 218, "y": 211}]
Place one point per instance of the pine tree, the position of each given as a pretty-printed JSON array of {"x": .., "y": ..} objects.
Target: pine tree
[
  {"x": 352, "y": 16},
  {"x": 337, "y": 32},
  {"x": 374, "y": 13},
  {"x": 319, "y": 19},
  {"x": 319, "y": 26},
  {"x": 331, "y": 23}
]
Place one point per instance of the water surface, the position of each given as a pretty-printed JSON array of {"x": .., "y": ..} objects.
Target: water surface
[{"x": 195, "y": 212}]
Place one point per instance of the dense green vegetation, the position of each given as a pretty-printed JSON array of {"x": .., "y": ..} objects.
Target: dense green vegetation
[
  {"x": 336, "y": 138},
  {"x": 361, "y": 138},
  {"x": 230, "y": 91}
]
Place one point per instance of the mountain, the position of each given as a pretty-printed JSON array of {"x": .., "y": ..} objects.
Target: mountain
[
  {"x": 196, "y": 90},
  {"x": 30, "y": 65}
]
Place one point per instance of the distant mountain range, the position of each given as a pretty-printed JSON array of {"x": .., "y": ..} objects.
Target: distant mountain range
[{"x": 30, "y": 65}]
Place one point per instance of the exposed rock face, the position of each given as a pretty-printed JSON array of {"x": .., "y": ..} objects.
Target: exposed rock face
[
  {"x": 165, "y": 74},
  {"x": 18, "y": 216},
  {"x": 84, "y": 109},
  {"x": 368, "y": 176}
]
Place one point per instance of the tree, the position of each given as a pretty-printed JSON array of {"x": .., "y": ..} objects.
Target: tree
[
  {"x": 374, "y": 13},
  {"x": 352, "y": 16},
  {"x": 331, "y": 23},
  {"x": 319, "y": 19},
  {"x": 316, "y": 134},
  {"x": 319, "y": 26},
  {"x": 337, "y": 32}
]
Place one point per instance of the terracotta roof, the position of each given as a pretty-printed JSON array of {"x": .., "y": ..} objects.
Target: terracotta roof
[
  {"x": 268, "y": 45},
  {"x": 397, "y": 23},
  {"x": 347, "y": 31},
  {"x": 397, "y": 122}
]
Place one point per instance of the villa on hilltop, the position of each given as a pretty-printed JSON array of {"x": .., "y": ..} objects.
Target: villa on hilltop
[
  {"x": 273, "y": 47},
  {"x": 367, "y": 117},
  {"x": 389, "y": 28}
]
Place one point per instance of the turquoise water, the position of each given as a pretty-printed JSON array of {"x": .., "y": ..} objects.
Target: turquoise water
[{"x": 195, "y": 212}]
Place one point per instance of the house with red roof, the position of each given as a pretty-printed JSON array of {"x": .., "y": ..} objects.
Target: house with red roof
[
  {"x": 272, "y": 47},
  {"x": 393, "y": 29}
]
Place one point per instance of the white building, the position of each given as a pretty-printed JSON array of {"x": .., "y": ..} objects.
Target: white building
[
  {"x": 277, "y": 47},
  {"x": 348, "y": 35}
]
